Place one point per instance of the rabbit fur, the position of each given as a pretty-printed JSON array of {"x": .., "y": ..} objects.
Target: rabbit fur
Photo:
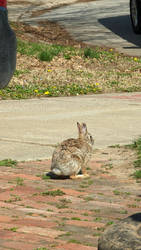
[{"x": 73, "y": 155}]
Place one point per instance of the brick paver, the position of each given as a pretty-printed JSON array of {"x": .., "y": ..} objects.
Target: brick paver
[{"x": 31, "y": 218}]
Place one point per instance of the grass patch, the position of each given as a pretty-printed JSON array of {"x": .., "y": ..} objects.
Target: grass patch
[
  {"x": 47, "y": 90},
  {"x": 45, "y": 177},
  {"x": 75, "y": 218},
  {"x": 110, "y": 223},
  {"x": 137, "y": 174},
  {"x": 123, "y": 212},
  {"x": 43, "y": 52},
  {"x": 88, "y": 198},
  {"x": 137, "y": 163},
  {"x": 63, "y": 203},
  {"x": 13, "y": 229},
  {"x": 19, "y": 181},
  {"x": 14, "y": 198},
  {"x": 48, "y": 70},
  {"x": 116, "y": 192},
  {"x": 74, "y": 241},
  {"x": 57, "y": 192},
  {"x": 8, "y": 163},
  {"x": 91, "y": 53},
  {"x": 98, "y": 219}
]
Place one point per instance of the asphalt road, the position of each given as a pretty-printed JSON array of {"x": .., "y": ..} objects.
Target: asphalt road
[{"x": 102, "y": 22}]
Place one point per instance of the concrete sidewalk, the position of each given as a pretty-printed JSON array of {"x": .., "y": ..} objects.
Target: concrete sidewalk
[
  {"x": 103, "y": 23},
  {"x": 28, "y": 127}
]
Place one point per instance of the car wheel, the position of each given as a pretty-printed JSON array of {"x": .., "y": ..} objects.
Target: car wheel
[{"x": 135, "y": 14}]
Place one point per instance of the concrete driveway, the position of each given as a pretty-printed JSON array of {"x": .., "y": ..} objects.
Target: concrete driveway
[
  {"x": 102, "y": 22},
  {"x": 28, "y": 128}
]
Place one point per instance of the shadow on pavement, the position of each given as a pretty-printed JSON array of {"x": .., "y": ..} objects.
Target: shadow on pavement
[
  {"x": 121, "y": 26},
  {"x": 136, "y": 217}
]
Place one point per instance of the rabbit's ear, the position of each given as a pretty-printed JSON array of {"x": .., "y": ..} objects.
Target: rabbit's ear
[
  {"x": 84, "y": 128},
  {"x": 79, "y": 127}
]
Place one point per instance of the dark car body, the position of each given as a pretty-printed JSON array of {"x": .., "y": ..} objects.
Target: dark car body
[{"x": 135, "y": 14}]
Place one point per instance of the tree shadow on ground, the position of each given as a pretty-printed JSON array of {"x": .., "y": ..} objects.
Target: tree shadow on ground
[
  {"x": 121, "y": 26},
  {"x": 136, "y": 217}
]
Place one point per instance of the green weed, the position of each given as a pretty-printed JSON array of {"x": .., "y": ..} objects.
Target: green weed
[
  {"x": 19, "y": 181},
  {"x": 123, "y": 212},
  {"x": 75, "y": 218},
  {"x": 13, "y": 229},
  {"x": 137, "y": 174},
  {"x": 91, "y": 53},
  {"x": 110, "y": 223},
  {"x": 116, "y": 192},
  {"x": 137, "y": 163},
  {"x": 53, "y": 193},
  {"x": 74, "y": 241},
  {"x": 8, "y": 163},
  {"x": 88, "y": 198}
]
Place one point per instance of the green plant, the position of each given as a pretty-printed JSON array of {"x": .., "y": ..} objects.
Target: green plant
[
  {"x": 61, "y": 205},
  {"x": 75, "y": 218},
  {"x": 13, "y": 229},
  {"x": 86, "y": 214},
  {"x": 18, "y": 91},
  {"x": 91, "y": 53},
  {"x": 19, "y": 181},
  {"x": 74, "y": 241},
  {"x": 110, "y": 223},
  {"x": 116, "y": 192},
  {"x": 8, "y": 163},
  {"x": 123, "y": 212},
  {"x": 45, "y": 177},
  {"x": 96, "y": 234},
  {"x": 132, "y": 205},
  {"x": 14, "y": 198},
  {"x": 53, "y": 193},
  {"x": 88, "y": 198},
  {"x": 137, "y": 163},
  {"x": 19, "y": 72},
  {"x": 65, "y": 201},
  {"x": 98, "y": 219},
  {"x": 95, "y": 210}
]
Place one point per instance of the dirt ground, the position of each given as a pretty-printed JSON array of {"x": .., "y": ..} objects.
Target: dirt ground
[{"x": 48, "y": 32}]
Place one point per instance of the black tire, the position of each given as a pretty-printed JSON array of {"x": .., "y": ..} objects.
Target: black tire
[
  {"x": 135, "y": 15},
  {"x": 7, "y": 50}
]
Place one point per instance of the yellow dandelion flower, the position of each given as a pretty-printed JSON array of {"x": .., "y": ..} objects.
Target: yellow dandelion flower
[
  {"x": 36, "y": 91},
  {"x": 97, "y": 84},
  {"x": 54, "y": 87},
  {"x": 135, "y": 59},
  {"x": 111, "y": 49},
  {"x": 46, "y": 93},
  {"x": 49, "y": 70}
]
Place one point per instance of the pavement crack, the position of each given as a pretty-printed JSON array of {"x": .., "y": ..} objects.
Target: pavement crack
[{"x": 30, "y": 143}]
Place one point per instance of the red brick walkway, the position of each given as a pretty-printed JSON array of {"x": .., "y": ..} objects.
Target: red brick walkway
[{"x": 72, "y": 216}]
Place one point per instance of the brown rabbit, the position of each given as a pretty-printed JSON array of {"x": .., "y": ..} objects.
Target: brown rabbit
[{"x": 73, "y": 155}]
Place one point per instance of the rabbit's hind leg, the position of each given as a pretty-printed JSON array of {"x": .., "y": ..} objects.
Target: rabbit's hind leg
[
  {"x": 79, "y": 176},
  {"x": 84, "y": 172}
]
